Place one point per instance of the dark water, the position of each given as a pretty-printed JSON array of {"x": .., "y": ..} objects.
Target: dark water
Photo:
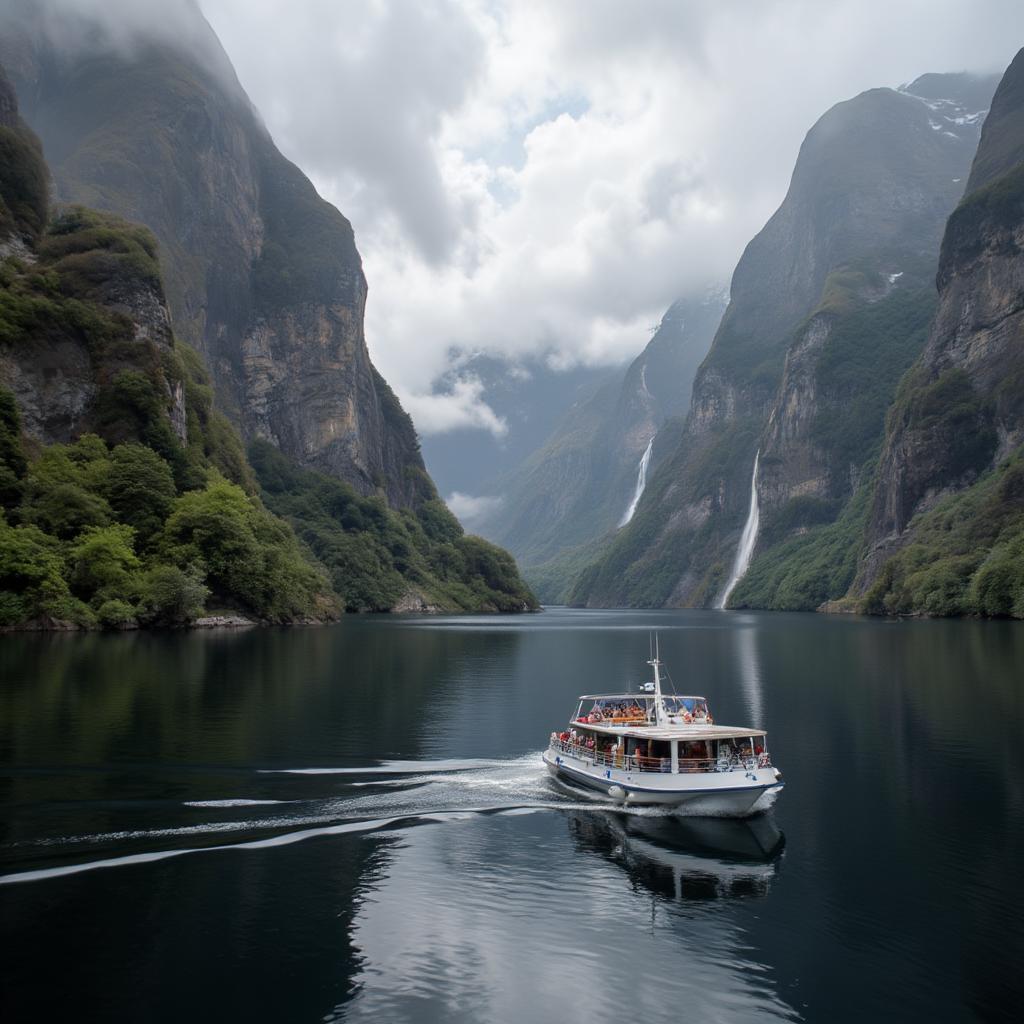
[{"x": 352, "y": 823}]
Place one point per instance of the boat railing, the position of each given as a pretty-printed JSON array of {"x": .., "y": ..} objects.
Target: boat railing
[
  {"x": 640, "y": 763},
  {"x": 615, "y": 720},
  {"x": 627, "y": 762}
]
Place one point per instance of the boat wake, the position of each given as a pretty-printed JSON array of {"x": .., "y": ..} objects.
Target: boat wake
[{"x": 387, "y": 797}]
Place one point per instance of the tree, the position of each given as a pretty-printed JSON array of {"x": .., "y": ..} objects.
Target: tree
[
  {"x": 12, "y": 458},
  {"x": 251, "y": 558},
  {"x": 172, "y": 596},
  {"x": 63, "y": 509},
  {"x": 103, "y": 565},
  {"x": 31, "y": 580},
  {"x": 139, "y": 488}
]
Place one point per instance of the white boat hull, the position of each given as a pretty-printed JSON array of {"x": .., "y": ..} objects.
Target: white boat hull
[{"x": 730, "y": 794}]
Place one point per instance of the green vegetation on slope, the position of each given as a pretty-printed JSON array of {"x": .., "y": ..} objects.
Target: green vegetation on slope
[
  {"x": 801, "y": 573},
  {"x": 102, "y": 536},
  {"x": 869, "y": 348},
  {"x": 375, "y": 555},
  {"x": 966, "y": 556},
  {"x": 89, "y": 265},
  {"x": 127, "y": 525},
  {"x": 23, "y": 184}
]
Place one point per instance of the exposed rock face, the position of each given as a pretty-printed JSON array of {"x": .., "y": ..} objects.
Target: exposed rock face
[
  {"x": 54, "y": 387},
  {"x": 963, "y": 406},
  {"x": 54, "y": 381},
  {"x": 262, "y": 275},
  {"x": 579, "y": 485},
  {"x": 796, "y": 466},
  {"x": 874, "y": 181}
]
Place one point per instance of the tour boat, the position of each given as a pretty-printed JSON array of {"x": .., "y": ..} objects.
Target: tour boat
[{"x": 652, "y": 748}]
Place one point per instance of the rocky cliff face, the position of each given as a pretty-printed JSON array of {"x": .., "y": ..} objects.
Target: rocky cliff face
[
  {"x": 861, "y": 222},
  {"x": 113, "y": 458},
  {"x": 960, "y": 413},
  {"x": 81, "y": 304},
  {"x": 262, "y": 275},
  {"x": 579, "y": 484}
]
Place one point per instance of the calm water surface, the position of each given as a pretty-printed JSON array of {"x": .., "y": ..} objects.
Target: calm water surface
[{"x": 353, "y": 823}]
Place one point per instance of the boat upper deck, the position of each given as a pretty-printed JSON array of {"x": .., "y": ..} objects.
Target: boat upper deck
[
  {"x": 650, "y": 731},
  {"x": 653, "y": 716}
]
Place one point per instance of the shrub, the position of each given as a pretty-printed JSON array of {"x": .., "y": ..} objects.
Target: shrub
[
  {"x": 102, "y": 564},
  {"x": 170, "y": 595},
  {"x": 116, "y": 614},
  {"x": 93, "y": 251}
]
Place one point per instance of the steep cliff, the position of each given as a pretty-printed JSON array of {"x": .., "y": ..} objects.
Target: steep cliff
[
  {"x": 857, "y": 233},
  {"x": 114, "y": 507},
  {"x": 262, "y": 275},
  {"x": 580, "y": 484},
  {"x": 949, "y": 497},
  {"x": 126, "y": 499}
]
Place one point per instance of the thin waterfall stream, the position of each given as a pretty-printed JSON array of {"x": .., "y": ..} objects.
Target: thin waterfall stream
[
  {"x": 747, "y": 540},
  {"x": 641, "y": 482}
]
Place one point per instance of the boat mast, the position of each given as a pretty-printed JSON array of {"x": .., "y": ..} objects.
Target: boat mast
[{"x": 655, "y": 663}]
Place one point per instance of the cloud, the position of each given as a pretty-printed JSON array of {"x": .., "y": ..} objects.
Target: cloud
[
  {"x": 533, "y": 179},
  {"x": 357, "y": 93},
  {"x": 469, "y": 510},
  {"x": 460, "y": 405},
  {"x": 120, "y": 26}
]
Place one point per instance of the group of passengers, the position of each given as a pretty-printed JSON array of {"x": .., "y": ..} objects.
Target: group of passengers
[{"x": 616, "y": 711}]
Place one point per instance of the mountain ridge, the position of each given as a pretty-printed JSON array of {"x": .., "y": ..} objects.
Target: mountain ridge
[{"x": 874, "y": 180}]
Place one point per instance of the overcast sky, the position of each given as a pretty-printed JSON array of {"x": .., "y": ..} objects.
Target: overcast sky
[{"x": 538, "y": 177}]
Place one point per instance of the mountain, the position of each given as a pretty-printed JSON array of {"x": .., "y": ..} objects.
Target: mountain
[
  {"x": 829, "y": 304},
  {"x": 945, "y": 532},
  {"x": 262, "y": 275},
  {"x": 582, "y": 481},
  {"x": 127, "y": 495},
  {"x": 122, "y": 492}
]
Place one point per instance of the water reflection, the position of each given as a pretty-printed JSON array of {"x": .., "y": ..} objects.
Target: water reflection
[
  {"x": 685, "y": 858},
  {"x": 749, "y": 671},
  {"x": 524, "y": 919}
]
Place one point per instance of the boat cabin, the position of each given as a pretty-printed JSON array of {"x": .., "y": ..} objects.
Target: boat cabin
[{"x": 627, "y": 731}]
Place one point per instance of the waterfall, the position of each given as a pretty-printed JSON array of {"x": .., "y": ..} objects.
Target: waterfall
[
  {"x": 747, "y": 540},
  {"x": 641, "y": 482}
]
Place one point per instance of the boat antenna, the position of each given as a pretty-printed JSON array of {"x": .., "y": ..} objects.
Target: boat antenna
[{"x": 655, "y": 663}]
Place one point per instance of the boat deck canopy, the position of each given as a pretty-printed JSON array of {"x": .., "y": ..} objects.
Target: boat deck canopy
[
  {"x": 671, "y": 732},
  {"x": 642, "y": 695}
]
